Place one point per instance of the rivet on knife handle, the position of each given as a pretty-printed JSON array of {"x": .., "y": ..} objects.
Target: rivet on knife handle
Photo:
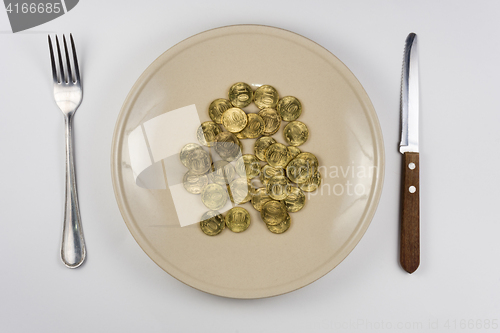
[{"x": 410, "y": 215}]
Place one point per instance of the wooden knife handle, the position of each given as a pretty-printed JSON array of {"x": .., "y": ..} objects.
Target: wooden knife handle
[{"x": 410, "y": 214}]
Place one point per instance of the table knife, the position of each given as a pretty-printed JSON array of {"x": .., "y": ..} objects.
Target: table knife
[{"x": 410, "y": 212}]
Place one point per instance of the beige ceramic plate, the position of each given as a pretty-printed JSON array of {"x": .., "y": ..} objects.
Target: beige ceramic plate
[{"x": 344, "y": 135}]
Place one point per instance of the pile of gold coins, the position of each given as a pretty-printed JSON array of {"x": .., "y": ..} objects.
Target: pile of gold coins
[{"x": 285, "y": 172}]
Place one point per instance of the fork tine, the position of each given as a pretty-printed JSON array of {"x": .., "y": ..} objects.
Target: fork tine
[
  {"x": 75, "y": 59},
  {"x": 68, "y": 63},
  {"x": 52, "y": 61},
  {"x": 61, "y": 67}
]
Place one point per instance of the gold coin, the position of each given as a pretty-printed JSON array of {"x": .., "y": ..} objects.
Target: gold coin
[
  {"x": 266, "y": 97},
  {"x": 289, "y": 108},
  {"x": 312, "y": 183},
  {"x": 240, "y": 135},
  {"x": 278, "y": 187},
  {"x": 240, "y": 94},
  {"x": 253, "y": 186},
  {"x": 295, "y": 133},
  {"x": 281, "y": 227},
  {"x": 248, "y": 166},
  {"x": 261, "y": 145},
  {"x": 223, "y": 173},
  {"x": 277, "y": 155},
  {"x": 237, "y": 219},
  {"x": 194, "y": 183},
  {"x": 207, "y": 132},
  {"x": 227, "y": 146},
  {"x": 187, "y": 151},
  {"x": 214, "y": 196},
  {"x": 273, "y": 212},
  {"x": 259, "y": 198},
  {"x": 295, "y": 200},
  {"x": 312, "y": 161},
  {"x": 254, "y": 128},
  {"x": 272, "y": 121},
  {"x": 268, "y": 171},
  {"x": 217, "y": 108},
  {"x": 299, "y": 170},
  {"x": 212, "y": 223},
  {"x": 293, "y": 151},
  {"x": 199, "y": 161},
  {"x": 240, "y": 191},
  {"x": 234, "y": 120}
]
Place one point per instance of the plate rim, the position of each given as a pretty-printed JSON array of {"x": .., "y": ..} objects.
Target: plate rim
[{"x": 365, "y": 219}]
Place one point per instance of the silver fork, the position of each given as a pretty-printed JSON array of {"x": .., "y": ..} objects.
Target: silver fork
[{"x": 68, "y": 94}]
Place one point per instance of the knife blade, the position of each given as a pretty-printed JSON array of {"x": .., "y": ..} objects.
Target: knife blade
[{"x": 410, "y": 192}]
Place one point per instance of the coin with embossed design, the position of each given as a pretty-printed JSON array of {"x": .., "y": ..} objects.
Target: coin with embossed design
[
  {"x": 295, "y": 200},
  {"x": 240, "y": 190},
  {"x": 266, "y": 96},
  {"x": 212, "y": 223},
  {"x": 312, "y": 183},
  {"x": 278, "y": 187},
  {"x": 268, "y": 171},
  {"x": 260, "y": 146},
  {"x": 293, "y": 151},
  {"x": 311, "y": 159},
  {"x": 199, "y": 161},
  {"x": 240, "y": 94},
  {"x": 259, "y": 198},
  {"x": 296, "y": 133},
  {"x": 194, "y": 183},
  {"x": 253, "y": 184},
  {"x": 299, "y": 170},
  {"x": 234, "y": 120},
  {"x": 223, "y": 172},
  {"x": 289, "y": 108},
  {"x": 280, "y": 227},
  {"x": 207, "y": 132},
  {"x": 273, "y": 212},
  {"x": 237, "y": 219},
  {"x": 248, "y": 166},
  {"x": 217, "y": 108},
  {"x": 272, "y": 121},
  {"x": 254, "y": 128},
  {"x": 277, "y": 155},
  {"x": 240, "y": 136},
  {"x": 214, "y": 196},
  {"x": 227, "y": 146},
  {"x": 187, "y": 151}
]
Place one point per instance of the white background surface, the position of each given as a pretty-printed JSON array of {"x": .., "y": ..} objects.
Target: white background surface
[{"x": 119, "y": 289}]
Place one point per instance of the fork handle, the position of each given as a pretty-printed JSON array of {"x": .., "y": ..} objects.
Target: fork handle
[{"x": 73, "y": 244}]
